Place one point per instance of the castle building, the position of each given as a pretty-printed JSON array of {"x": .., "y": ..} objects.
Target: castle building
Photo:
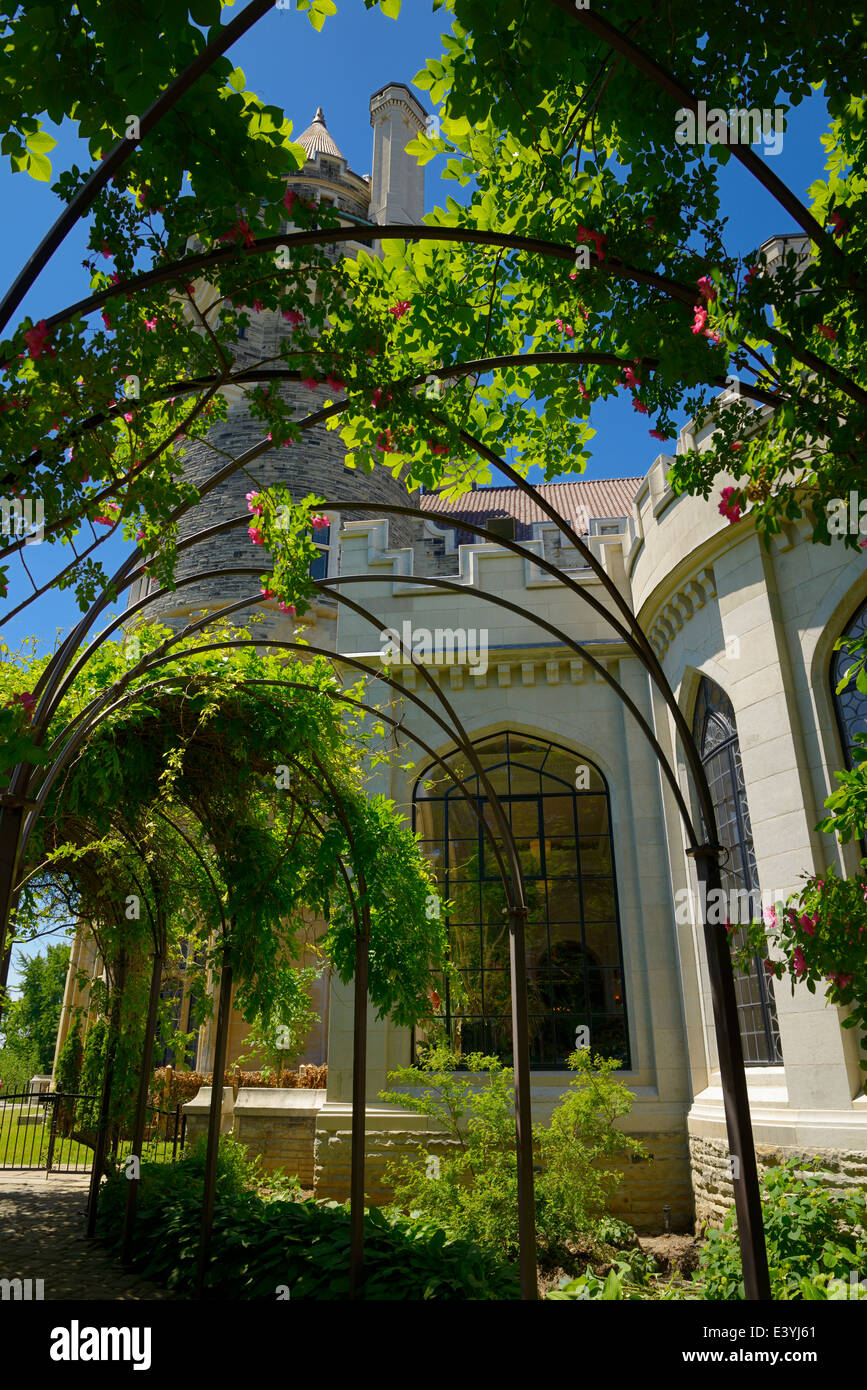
[{"x": 615, "y": 954}]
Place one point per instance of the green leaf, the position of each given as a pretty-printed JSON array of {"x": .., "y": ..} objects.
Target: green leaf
[
  {"x": 40, "y": 142},
  {"x": 390, "y": 8},
  {"x": 39, "y": 167}
]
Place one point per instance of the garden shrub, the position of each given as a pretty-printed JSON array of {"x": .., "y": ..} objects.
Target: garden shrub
[
  {"x": 172, "y": 1090},
  {"x": 263, "y": 1244},
  {"x": 813, "y": 1234},
  {"x": 68, "y": 1077},
  {"x": 471, "y": 1186}
]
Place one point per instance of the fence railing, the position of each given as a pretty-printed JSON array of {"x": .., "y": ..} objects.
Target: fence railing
[{"x": 57, "y": 1131}]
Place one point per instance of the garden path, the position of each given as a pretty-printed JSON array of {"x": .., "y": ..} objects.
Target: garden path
[{"x": 42, "y": 1237}]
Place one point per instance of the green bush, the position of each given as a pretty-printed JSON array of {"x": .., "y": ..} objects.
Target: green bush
[
  {"x": 471, "y": 1188},
  {"x": 813, "y": 1234},
  {"x": 68, "y": 1078},
  {"x": 260, "y": 1246}
]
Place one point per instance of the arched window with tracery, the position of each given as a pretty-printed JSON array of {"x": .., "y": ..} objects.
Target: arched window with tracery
[
  {"x": 850, "y": 705},
  {"x": 561, "y": 821},
  {"x": 716, "y": 735}
]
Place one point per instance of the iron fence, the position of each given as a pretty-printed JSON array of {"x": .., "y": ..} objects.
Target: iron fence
[{"x": 56, "y": 1131}]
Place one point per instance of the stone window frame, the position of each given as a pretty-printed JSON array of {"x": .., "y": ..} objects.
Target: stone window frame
[{"x": 329, "y": 548}]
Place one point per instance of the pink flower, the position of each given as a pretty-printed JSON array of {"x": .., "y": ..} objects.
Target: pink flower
[
  {"x": 658, "y": 434},
  {"x": 267, "y": 593},
  {"x": 737, "y": 445},
  {"x": 727, "y": 508},
  {"x": 434, "y": 999},
  {"x": 106, "y": 320},
  {"x": 583, "y": 389},
  {"x": 799, "y": 962},
  {"x": 841, "y": 981},
  {"x": 383, "y": 442},
  {"x": 128, "y": 417},
  {"x": 294, "y": 316},
  {"x": 751, "y": 274},
  {"x": 255, "y": 535},
  {"x": 573, "y": 275},
  {"x": 587, "y": 234},
  {"x": 310, "y": 382},
  {"x": 334, "y": 383},
  {"x": 37, "y": 341},
  {"x": 258, "y": 306},
  {"x": 769, "y": 916},
  {"x": 253, "y": 503},
  {"x": 240, "y": 229},
  {"x": 150, "y": 325},
  {"x": 287, "y": 608},
  {"x": 808, "y": 924},
  {"x": 400, "y": 308},
  {"x": 104, "y": 249},
  {"x": 319, "y": 522},
  {"x": 839, "y": 223},
  {"x": 25, "y": 699},
  {"x": 565, "y": 328},
  {"x": 713, "y": 338},
  {"x": 289, "y": 199},
  {"x": 700, "y": 318},
  {"x": 706, "y": 287},
  {"x": 826, "y": 332},
  {"x": 438, "y": 448},
  {"x": 639, "y": 406},
  {"x": 630, "y": 379}
]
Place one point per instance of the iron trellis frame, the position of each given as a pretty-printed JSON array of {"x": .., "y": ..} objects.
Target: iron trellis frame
[
  {"x": 731, "y": 1060},
  {"x": 87, "y": 720}
]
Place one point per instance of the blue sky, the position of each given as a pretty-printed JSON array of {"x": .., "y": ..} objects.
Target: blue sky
[{"x": 288, "y": 64}]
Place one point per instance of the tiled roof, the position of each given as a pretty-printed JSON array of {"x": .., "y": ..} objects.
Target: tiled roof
[
  {"x": 575, "y": 501},
  {"x": 316, "y": 139}
]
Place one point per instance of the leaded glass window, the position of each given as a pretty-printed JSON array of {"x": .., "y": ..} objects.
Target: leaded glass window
[
  {"x": 851, "y": 704},
  {"x": 562, "y": 828},
  {"x": 716, "y": 735}
]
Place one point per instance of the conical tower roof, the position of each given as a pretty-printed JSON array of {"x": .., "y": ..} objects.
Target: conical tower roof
[{"x": 316, "y": 138}]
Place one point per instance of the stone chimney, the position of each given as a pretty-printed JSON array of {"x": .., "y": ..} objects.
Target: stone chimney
[{"x": 397, "y": 180}]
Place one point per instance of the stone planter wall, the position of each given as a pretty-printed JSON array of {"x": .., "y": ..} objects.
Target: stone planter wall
[
  {"x": 279, "y": 1126},
  {"x": 712, "y": 1183}
]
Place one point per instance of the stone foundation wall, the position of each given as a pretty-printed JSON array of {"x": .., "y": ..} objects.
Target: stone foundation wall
[
  {"x": 644, "y": 1190},
  {"x": 711, "y": 1178},
  {"x": 382, "y": 1147},
  {"x": 648, "y": 1186},
  {"x": 282, "y": 1141}
]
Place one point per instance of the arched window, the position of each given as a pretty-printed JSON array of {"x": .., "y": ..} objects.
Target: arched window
[
  {"x": 560, "y": 818},
  {"x": 715, "y": 732}
]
